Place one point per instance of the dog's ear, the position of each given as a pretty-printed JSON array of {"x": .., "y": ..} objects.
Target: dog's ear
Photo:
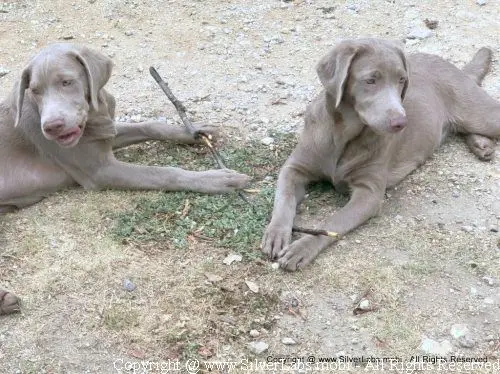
[
  {"x": 333, "y": 69},
  {"x": 98, "y": 70},
  {"x": 22, "y": 86},
  {"x": 405, "y": 64}
]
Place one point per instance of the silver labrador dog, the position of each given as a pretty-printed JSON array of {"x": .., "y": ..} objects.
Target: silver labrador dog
[
  {"x": 381, "y": 115},
  {"x": 57, "y": 129}
]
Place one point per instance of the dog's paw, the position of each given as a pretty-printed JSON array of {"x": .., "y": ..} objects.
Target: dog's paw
[
  {"x": 275, "y": 239},
  {"x": 482, "y": 146},
  {"x": 220, "y": 180},
  {"x": 299, "y": 253},
  {"x": 9, "y": 303},
  {"x": 202, "y": 128}
]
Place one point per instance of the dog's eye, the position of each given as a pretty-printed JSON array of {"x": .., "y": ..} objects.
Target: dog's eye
[
  {"x": 402, "y": 80},
  {"x": 67, "y": 82},
  {"x": 370, "y": 81}
]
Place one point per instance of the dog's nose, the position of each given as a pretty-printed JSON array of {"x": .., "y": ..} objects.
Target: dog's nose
[
  {"x": 53, "y": 127},
  {"x": 398, "y": 123}
]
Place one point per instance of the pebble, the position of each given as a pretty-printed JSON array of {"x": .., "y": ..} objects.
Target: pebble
[
  {"x": 288, "y": 341},
  {"x": 129, "y": 33},
  {"x": 459, "y": 330},
  {"x": 364, "y": 304},
  {"x": 434, "y": 347},
  {"x": 490, "y": 281},
  {"x": 128, "y": 285},
  {"x": 275, "y": 265},
  {"x": 254, "y": 333},
  {"x": 3, "y": 71},
  {"x": 258, "y": 347},
  {"x": 419, "y": 33},
  {"x": 267, "y": 140},
  {"x": 467, "y": 228},
  {"x": 232, "y": 258},
  {"x": 481, "y": 2}
]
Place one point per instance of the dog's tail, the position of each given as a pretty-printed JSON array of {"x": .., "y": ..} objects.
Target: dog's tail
[{"x": 479, "y": 66}]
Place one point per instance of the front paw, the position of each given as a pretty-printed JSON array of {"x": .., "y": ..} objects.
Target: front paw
[
  {"x": 201, "y": 128},
  {"x": 299, "y": 253},
  {"x": 220, "y": 181},
  {"x": 275, "y": 239}
]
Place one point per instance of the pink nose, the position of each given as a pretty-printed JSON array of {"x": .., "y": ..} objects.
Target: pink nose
[
  {"x": 53, "y": 127},
  {"x": 398, "y": 123}
]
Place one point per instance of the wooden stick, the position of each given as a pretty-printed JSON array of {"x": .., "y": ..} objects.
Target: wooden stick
[
  {"x": 181, "y": 109},
  {"x": 331, "y": 234}
]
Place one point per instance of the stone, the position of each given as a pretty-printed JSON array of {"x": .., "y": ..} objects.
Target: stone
[
  {"x": 3, "y": 71},
  {"x": 254, "y": 333},
  {"x": 419, "y": 33},
  {"x": 258, "y": 347},
  {"x": 288, "y": 341},
  {"x": 436, "y": 348},
  {"x": 267, "y": 140}
]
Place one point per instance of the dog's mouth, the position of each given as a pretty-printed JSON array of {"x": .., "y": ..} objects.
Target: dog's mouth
[{"x": 70, "y": 137}]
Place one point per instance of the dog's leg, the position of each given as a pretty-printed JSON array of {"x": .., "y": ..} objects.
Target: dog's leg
[
  {"x": 290, "y": 191},
  {"x": 122, "y": 175},
  {"x": 364, "y": 203},
  {"x": 131, "y": 133},
  {"x": 27, "y": 180},
  {"x": 480, "y": 120}
]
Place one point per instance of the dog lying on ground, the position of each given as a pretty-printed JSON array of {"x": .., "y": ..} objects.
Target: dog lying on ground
[
  {"x": 57, "y": 129},
  {"x": 381, "y": 115}
]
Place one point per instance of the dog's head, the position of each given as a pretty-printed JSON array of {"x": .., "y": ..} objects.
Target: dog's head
[
  {"x": 63, "y": 82},
  {"x": 371, "y": 75}
]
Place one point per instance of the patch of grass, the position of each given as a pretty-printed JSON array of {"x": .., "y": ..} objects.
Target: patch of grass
[
  {"x": 119, "y": 317},
  {"x": 224, "y": 220},
  {"x": 323, "y": 194}
]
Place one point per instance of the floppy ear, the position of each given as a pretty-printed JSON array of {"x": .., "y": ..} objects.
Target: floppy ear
[
  {"x": 405, "y": 64},
  {"x": 22, "y": 86},
  {"x": 333, "y": 69},
  {"x": 98, "y": 70}
]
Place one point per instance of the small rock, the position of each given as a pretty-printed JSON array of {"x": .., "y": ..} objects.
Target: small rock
[
  {"x": 433, "y": 347},
  {"x": 68, "y": 37},
  {"x": 258, "y": 347},
  {"x": 213, "y": 278},
  {"x": 490, "y": 281},
  {"x": 458, "y": 330},
  {"x": 481, "y": 2},
  {"x": 3, "y": 71},
  {"x": 492, "y": 228},
  {"x": 467, "y": 228},
  {"x": 364, "y": 304},
  {"x": 267, "y": 140},
  {"x": 128, "y": 285},
  {"x": 288, "y": 341},
  {"x": 254, "y": 287},
  {"x": 431, "y": 24},
  {"x": 232, "y": 258},
  {"x": 254, "y": 333},
  {"x": 129, "y": 33},
  {"x": 275, "y": 266},
  {"x": 419, "y": 33}
]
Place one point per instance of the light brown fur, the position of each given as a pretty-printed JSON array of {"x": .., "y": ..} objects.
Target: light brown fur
[
  {"x": 57, "y": 129},
  {"x": 381, "y": 115}
]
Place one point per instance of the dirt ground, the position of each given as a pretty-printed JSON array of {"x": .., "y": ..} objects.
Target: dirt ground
[{"x": 429, "y": 265}]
